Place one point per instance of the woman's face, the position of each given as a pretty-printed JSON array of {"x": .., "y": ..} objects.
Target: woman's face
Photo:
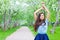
[{"x": 42, "y": 16}]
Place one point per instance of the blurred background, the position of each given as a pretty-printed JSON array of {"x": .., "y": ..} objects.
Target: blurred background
[{"x": 17, "y": 13}]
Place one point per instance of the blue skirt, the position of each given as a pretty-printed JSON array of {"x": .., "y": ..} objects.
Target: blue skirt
[{"x": 41, "y": 37}]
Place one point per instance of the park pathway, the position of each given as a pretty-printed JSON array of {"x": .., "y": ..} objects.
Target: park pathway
[{"x": 21, "y": 34}]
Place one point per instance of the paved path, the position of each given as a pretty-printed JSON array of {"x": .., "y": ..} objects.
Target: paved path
[{"x": 21, "y": 34}]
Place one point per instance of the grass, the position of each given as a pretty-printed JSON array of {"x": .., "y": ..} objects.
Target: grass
[
  {"x": 3, "y": 34},
  {"x": 55, "y": 36}
]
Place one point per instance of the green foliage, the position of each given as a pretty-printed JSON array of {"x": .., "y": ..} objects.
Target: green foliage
[{"x": 23, "y": 10}]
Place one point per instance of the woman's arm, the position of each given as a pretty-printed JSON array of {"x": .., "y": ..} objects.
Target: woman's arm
[
  {"x": 48, "y": 13},
  {"x": 35, "y": 16}
]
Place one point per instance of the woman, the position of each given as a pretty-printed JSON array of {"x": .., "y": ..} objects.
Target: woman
[{"x": 41, "y": 24}]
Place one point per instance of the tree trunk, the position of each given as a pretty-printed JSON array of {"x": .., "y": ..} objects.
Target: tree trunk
[
  {"x": 4, "y": 20},
  {"x": 9, "y": 19}
]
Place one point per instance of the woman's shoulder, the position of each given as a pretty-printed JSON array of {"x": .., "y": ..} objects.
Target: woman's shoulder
[{"x": 46, "y": 21}]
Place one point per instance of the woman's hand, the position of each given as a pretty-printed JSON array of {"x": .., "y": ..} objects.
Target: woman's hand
[{"x": 43, "y": 5}]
